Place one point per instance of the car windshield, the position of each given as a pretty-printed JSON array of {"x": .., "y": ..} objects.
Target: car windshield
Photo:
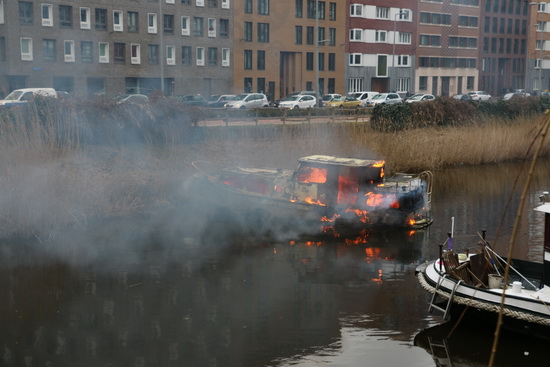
[
  {"x": 240, "y": 97},
  {"x": 379, "y": 96},
  {"x": 339, "y": 98},
  {"x": 417, "y": 97},
  {"x": 292, "y": 98},
  {"x": 13, "y": 95},
  {"x": 355, "y": 95},
  {"x": 214, "y": 98}
]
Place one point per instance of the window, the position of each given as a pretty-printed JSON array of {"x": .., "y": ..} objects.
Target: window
[
  {"x": 403, "y": 85},
  {"x": 435, "y": 18},
  {"x": 247, "y": 59},
  {"x": 430, "y": 40},
  {"x": 199, "y": 3},
  {"x": 103, "y": 52},
  {"x": 321, "y": 65},
  {"x": 118, "y": 21},
  {"x": 332, "y": 36},
  {"x": 85, "y": 18},
  {"x": 197, "y": 26},
  {"x": 212, "y": 3},
  {"x": 331, "y": 61},
  {"x": 200, "y": 56},
  {"x": 133, "y": 21},
  {"x": 248, "y": 6},
  {"x": 119, "y": 53},
  {"x": 68, "y": 51},
  {"x": 382, "y": 66},
  {"x": 405, "y": 38},
  {"x": 470, "y": 82},
  {"x": 355, "y": 84},
  {"x": 298, "y": 34},
  {"x": 186, "y": 2},
  {"x": 168, "y": 24},
  {"x": 311, "y": 9},
  {"x": 380, "y": 36},
  {"x": 382, "y": 13},
  {"x": 263, "y": 32},
  {"x": 332, "y": 11},
  {"x": 151, "y": 23},
  {"x": 171, "y": 55},
  {"x": 26, "y": 49},
  {"x": 153, "y": 54},
  {"x": 48, "y": 49},
  {"x": 211, "y": 27},
  {"x": 212, "y": 56},
  {"x": 310, "y": 31},
  {"x": 186, "y": 55},
  {"x": 465, "y": 21},
  {"x": 135, "y": 54},
  {"x": 47, "y": 15},
  {"x": 101, "y": 19},
  {"x": 309, "y": 61},
  {"x": 185, "y": 26},
  {"x": 225, "y": 56},
  {"x": 248, "y": 31},
  {"x": 403, "y": 60},
  {"x": 404, "y": 14},
  {"x": 86, "y": 51},
  {"x": 224, "y": 27},
  {"x": 355, "y": 59},
  {"x": 25, "y": 12},
  {"x": 65, "y": 16},
  {"x": 225, "y": 4},
  {"x": 423, "y": 83},
  {"x": 260, "y": 60},
  {"x": 247, "y": 85},
  {"x": 355, "y": 34},
  {"x": 299, "y": 8},
  {"x": 263, "y": 7},
  {"x": 356, "y": 10}
]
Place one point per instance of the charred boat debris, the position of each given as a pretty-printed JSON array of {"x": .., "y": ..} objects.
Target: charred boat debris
[{"x": 323, "y": 190}]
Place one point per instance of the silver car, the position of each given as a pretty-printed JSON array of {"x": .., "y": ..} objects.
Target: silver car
[
  {"x": 248, "y": 100},
  {"x": 384, "y": 98},
  {"x": 480, "y": 96}
]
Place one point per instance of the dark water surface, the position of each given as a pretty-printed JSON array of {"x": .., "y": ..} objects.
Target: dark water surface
[{"x": 348, "y": 301}]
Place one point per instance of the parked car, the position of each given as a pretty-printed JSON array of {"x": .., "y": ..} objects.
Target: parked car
[
  {"x": 420, "y": 97},
  {"x": 329, "y": 97},
  {"x": 384, "y": 98},
  {"x": 344, "y": 102},
  {"x": 517, "y": 93},
  {"x": 480, "y": 96},
  {"x": 463, "y": 97},
  {"x": 364, "y": 97},
  {"x": 131, "y": 98},
  {"x": 22, "y": 96},
  {"x": 193, "y": 100},
  {"x": 219, "y": 100},
  {"x": 298, "y": 101},
  {"x": 248, "y": 100}
]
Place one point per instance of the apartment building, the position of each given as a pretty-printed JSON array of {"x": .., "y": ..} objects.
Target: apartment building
[
  {"x": 538, "y": 62},
  {"x": 381, "y": 46},
  {"x": 504, "y": 53},
  {"x": 108, "y": 47},
  {"x": 285, "y": 46}
]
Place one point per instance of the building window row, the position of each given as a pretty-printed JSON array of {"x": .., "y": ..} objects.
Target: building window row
[
  {"x": 379, "y": 12},
  {"x": 262, "y": 6},
  {"x": 446, "y": 62},
  {"x": 101, "y": 23},
  {"x": 49, "y": 53},
  {"x": 504, "y": 45},
  {"x": 435, "y": 18},
  {"x": 507, "y": 6},
  {"x": 462, "y": 42},
  {"x": 310, "y": 9},
  {"x": 492, "y": 25},
  {"x": 262, "y": 32},
  {"x": 474, "y": 3},
  {"x": 379, "y": 36}
]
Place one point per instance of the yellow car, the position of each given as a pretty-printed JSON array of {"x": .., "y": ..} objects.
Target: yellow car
[{"x": 344, "y": 102}]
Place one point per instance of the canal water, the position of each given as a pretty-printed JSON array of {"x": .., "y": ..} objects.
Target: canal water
[{"x": 131, "y": 299}]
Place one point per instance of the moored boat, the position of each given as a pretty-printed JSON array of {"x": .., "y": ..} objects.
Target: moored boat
[
  {"x": 322, "y": 191},
  {"x": 476, "y": 279}
]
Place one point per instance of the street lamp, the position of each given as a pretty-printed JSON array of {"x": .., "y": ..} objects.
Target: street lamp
[
  {"x": 317, "y": 94},
  {"x": 161, "y": 31},
  {"x": 393, "y": 52}
]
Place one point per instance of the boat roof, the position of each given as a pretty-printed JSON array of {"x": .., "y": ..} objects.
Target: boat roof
[
  {"x": 545, "y": 208},
  {"x": 339, "y": 161}
]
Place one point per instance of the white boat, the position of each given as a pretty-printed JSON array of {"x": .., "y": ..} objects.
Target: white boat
[{"x": 475, "y": 280}]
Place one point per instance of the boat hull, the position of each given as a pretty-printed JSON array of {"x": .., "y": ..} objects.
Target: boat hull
[{"x": 527, "y": 309}]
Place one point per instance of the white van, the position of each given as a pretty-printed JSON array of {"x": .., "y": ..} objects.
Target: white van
[{"x": 22, "y": 96}]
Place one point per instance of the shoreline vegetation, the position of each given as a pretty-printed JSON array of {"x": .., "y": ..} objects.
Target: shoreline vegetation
[{"x": 55, "y": 177}]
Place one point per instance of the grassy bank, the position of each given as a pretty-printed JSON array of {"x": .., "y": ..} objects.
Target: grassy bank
[{"x": 54, "y": 176}]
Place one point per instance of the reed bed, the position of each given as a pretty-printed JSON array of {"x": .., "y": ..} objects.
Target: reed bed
[{"x": 63, "y": 169}]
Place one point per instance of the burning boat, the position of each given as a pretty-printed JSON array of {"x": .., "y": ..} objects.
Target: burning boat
[{"x": 323, "y": 190}]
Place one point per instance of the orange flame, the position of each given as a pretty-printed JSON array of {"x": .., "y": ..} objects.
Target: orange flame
[{"x": 313, "y": 201}]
